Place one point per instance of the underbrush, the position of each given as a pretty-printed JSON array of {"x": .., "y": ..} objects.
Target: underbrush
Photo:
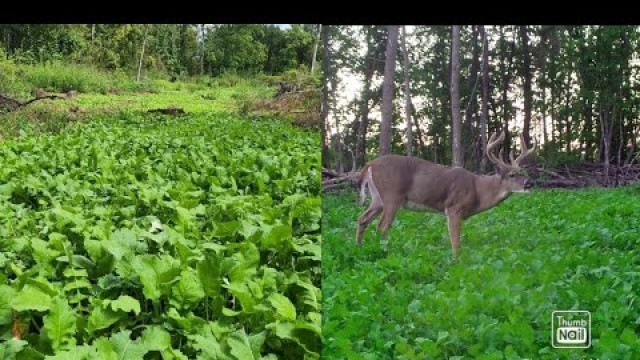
[{"x": 19, "y": 80}]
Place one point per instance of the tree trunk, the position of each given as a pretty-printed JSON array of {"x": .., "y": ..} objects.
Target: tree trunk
[
  {"x": 338, "y": 135},
  {"x": 605, "y": 140},
  {"x": 544, "y": 114},
  {"x": 588, "y": 130},
  {"x": 553, "y": 114},
  {"x": 387, "y": 90},
  {"x": 202, "y": 39},
  {"x": 567, "y": 119},
  {"x": 407, "y": 93},
  {"x": 505, "y": 100},
  {"x": 528, "y": 97},
  {"x": 620, "y": 140},
  {"x": 423, "y": 148},
  {"x": 325, "y": 93},
  {"x": 315, "y": 49},
  {"x": 470, "y": 129},
  {"x": 333, "y": 80},
  {"x": 363, "y": 126},
  {"x": 144, "y": 45},
  {"x": 455, "y": 97},
  {"x": 184, "y": 55},
  {"x": 485, "y": 98}
]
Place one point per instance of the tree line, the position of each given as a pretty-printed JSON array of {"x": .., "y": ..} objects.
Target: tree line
[
  {"x": 436, "y": 92},
  {"x": 175, "y": 49}
]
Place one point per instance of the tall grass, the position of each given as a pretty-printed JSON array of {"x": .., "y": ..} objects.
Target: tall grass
[{"x": 20, "y": 79}]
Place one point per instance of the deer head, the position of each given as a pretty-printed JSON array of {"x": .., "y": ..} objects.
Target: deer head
[{"x": 513, "y": 176}]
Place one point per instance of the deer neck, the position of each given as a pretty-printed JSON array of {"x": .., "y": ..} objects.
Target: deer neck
[{"x": 490, "y": 192}]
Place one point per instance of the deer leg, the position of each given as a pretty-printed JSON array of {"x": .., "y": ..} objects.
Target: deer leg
[
  {"x": 454, "y": 222},
  {"x": 366, "y": 218},
  {"x": 388, "y": 215},
  {"x": 375, "y": 208}
]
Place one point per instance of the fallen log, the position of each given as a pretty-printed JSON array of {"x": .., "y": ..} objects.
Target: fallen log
[
  {"x": 8, "y": 104},
  {"x": 333, "y": 180},
  {"x": 173, "y": 111}
]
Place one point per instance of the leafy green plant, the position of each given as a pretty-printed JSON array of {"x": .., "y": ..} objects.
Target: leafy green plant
[
  {"x": 549, "y": 250},
  {"x": 136, "y": 236}
]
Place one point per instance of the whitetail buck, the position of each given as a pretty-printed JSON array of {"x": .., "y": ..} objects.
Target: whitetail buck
[{"x": 395, "y": 181}]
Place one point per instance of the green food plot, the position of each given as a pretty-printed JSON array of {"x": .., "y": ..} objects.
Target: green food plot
[
  {"x": 142, "y": 236},
  {"x": 536, "y": 253}
]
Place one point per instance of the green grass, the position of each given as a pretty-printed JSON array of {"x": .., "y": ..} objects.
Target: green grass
[
  {"x": 535, "y": 253},
  {"x": 20, "y": 79},
  {"x": 53, "y": 116}
]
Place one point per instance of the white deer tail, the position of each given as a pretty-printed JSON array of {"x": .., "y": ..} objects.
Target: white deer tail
[{"x": 364, "y": 185}]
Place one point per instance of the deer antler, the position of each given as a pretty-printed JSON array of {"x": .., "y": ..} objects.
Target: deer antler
[
  {"x": 515, "y": 163},
  {"x": 491, "y": 145},
  {"x": 526, "y": 152}
]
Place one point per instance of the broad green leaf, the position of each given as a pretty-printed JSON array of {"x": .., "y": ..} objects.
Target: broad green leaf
[
  {"x": 277, "y": 238},
  {"x": 9, "y": 349},
  {"x": 157, "y": 274},
  {"x": 44, "y": 285},
  {"x": 128, "y": 349},
  {"x": 257, "y": 341},
  {"x": 217, "y": 248},
  {"x": 124, "y": 243},
  {"x": 284, "y": 307},
  {"x": 102, "y": 317},
  {"x": 227, "y": 228},
  {"x": 31, "y": 298},
  {"x": 78, "y": 260},
  {"x": 76, "y": 284},
  {"x": 229, "y": 312},
  {"x": 209, "y": 274},
  {"x": 243, "y": 263},
  {"x": 188, "y": 291},
  {"x": 173, "y": 354},
  {"x": 244, "y": 295},
  {"x": 156, "y": 338},
  {"x": 83, "y": 352},
  {"x": 105, "y": 349},
  {"x": 66, "y": 216},
  {"x": 60, "y": 325},
  {"x": 71, "y": 272},
  {"x": 124, "y": 303},
  {"x": 6, "y": 294},
  {"x": 41, "y": 251},
  {"x": 209, "y": 348},
  {"x": 269, "y": 357},
  {"x": 240, "y": 347},
  {"x": 187, "y": 217},
  {"x": 310, "y": 295},
  {"x": 30, "y": 353},
  {"x": 306, "y": 335},
  {"x": 248, "y": 229},
  {"x": 314, "y": 250}
]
